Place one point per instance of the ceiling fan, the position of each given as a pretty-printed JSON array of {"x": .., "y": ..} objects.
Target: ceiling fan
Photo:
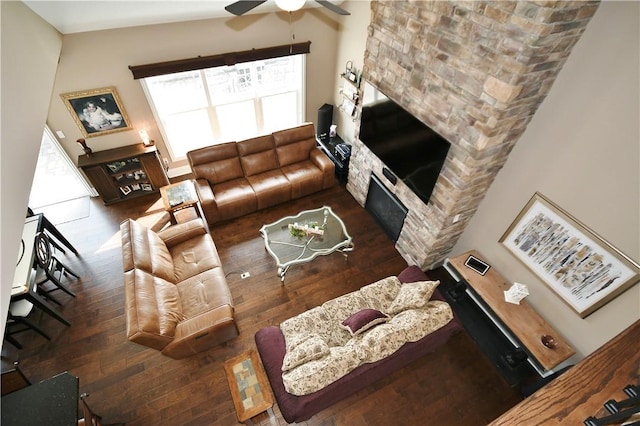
[{"x": 241, "y": 7}]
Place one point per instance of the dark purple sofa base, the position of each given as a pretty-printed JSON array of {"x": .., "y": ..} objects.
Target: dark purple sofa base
[{"x": 271, "y": 347}]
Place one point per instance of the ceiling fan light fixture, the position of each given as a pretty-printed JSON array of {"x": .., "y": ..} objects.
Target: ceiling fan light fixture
[{"x": 290, "y": 5}]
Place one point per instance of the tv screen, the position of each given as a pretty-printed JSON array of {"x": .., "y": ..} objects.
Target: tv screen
[{"x": 408, "y": 147}]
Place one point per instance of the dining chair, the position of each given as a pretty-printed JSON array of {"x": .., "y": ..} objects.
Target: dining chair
[
  {"x": 17, "y": 322},
  {"x": 89, "y": 417},
  {"x": 50, "y": 268}
]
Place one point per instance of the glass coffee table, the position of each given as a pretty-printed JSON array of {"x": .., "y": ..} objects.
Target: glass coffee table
[{"x": 301, "y": 238}]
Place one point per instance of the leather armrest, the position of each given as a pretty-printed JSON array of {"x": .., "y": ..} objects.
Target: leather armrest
[
  {"x": 205, "y": 193},
  {"x": 182, "y": 232},
  {"x": 201, "y": 332},
  {"x": 207, "y": 200},
  {"x": 326, "y": 165},
  {"x": 321, "y": 160}
]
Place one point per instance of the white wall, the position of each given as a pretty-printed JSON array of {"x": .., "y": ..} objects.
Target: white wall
[
  {"x": 101, "y": 58},
  {"x": 352, "y": 42},
  {"x": 30, "y": 49},
  {"x": 581, "y": 150}
]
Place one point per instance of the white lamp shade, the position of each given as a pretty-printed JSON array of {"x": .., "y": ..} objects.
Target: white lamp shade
[
  {"x": 290, "y": 5},
  {"x": 145, "y": 137}
]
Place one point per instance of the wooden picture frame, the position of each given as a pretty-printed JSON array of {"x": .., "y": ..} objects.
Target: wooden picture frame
[
  {"x": 97, "y": 112},
  {"x": 582, "y": 268}
]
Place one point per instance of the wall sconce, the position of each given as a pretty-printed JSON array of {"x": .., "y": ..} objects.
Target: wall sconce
[{"x": 145, "y": 138}]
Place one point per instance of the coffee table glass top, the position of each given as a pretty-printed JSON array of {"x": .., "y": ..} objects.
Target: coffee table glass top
[{"x": 301, "y": 238}]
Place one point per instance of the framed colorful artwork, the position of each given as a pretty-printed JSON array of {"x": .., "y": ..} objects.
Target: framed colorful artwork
[{"x": 582, "y": 268}]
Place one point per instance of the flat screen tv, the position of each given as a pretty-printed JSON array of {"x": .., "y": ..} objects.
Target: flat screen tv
[{"x": 410, "y": 149}]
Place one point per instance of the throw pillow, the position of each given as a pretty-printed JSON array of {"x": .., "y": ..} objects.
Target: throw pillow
[
  {"x": 308, "y": 349},
  {"x": 363, "y": 320},
  {"x": 412, "y": 296}
]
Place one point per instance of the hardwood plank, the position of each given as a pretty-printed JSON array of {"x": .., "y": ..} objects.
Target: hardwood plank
[{"x": 137, "y": 385}]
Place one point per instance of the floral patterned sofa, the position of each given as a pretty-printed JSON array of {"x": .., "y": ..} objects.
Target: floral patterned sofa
[{"x": 329, "y": 352}]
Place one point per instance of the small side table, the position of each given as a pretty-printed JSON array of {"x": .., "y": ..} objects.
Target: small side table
[
  {"x": 180, "y": 196},
  {"x": 250, "y": 389}
]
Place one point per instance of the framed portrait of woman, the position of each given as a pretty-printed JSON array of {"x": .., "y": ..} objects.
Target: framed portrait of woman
[{"x": 97, "y": 112}]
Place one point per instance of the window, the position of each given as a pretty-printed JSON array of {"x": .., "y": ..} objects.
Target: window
[{"x": 215, "y": 105}]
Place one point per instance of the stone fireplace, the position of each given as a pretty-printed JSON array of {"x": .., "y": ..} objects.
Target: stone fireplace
[{"x": 476, "y": 73}]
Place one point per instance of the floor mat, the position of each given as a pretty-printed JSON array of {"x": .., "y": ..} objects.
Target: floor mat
[{"x": 66, "y": 211}]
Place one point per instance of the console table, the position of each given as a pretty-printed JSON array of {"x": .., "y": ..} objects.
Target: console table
[{"x": 515, "y": 333}]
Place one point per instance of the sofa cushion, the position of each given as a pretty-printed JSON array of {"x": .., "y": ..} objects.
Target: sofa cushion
[
  {"x": 417, "y": 323},
  {"x": 304, "y": 177},
  {"x": 257, "y": 155},
  {"x": 317, "y": 374},
  {"x": 234, "y": 198},
  {"x": 378, "y": 342},
  {"x": 340, "y": 308},
  {"x": 363, "y": 320},
  {"x": 145, "y": 250},
  {"x": 194, "y": 256},
  {"x": 203, "y": 292},
  {"x": 413, "y": 295},
  {"x": 380, "y": 294},
  {"x": 313, "y": 321},
  {"x": 156, "y": 303},
  {"x": 303, "y": 350},
  {"x": 217, "y": 163},
  {"x": 294, "y": 145},
  {"x": 271, "y": 188}
]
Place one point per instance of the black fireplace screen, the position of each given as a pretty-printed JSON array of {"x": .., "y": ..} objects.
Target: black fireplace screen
[{"x": 385, "y": 207}]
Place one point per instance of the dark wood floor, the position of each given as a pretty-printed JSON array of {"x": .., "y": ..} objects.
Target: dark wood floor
[{"x": 133, "y": 384}]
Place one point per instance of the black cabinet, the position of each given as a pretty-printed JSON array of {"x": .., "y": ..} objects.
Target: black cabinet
[
  {"x": 505, "y": 356},
  {"x": 339, "y": 152}
]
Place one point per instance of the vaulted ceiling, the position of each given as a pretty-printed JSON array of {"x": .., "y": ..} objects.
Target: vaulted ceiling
[{"x": 93, "y": 15}]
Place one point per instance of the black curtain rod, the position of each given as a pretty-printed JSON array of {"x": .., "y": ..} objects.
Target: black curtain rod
[{"x": 232, "y": 58}]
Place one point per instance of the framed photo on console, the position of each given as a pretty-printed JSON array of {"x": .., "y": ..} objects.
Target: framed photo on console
[
  {"x": 476, "y": 264},
  {"x": 582, "y": 268}
]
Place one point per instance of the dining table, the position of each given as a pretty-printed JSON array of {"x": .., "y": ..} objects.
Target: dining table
[
  {"x": 51, "y": 402},
  {"x": 24, "y": 280}
]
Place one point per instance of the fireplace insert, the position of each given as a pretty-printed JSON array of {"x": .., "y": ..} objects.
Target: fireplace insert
[{"x": 385, "y": 207}]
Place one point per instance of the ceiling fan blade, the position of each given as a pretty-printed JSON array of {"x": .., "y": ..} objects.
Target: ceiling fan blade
[
  {"x": 332, "y": 7},
  {"x": 241, "y": 7}
]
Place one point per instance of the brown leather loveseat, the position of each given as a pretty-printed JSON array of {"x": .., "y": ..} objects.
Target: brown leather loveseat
[
  {"x": 177, "y": 297},
  {"x": 237, "y": 178}
]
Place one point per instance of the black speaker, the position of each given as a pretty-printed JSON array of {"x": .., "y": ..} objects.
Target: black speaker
[{"x": 325, "y": 117}]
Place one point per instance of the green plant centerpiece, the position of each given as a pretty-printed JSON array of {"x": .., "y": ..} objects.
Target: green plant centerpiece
[{"x": 310, "y": 228}]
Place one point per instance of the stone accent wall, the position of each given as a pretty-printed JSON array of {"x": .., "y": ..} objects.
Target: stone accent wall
[{"x": 476, "y": 73}]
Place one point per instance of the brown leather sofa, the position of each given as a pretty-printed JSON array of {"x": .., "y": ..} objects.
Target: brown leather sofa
[
  {"x": 177, "y": 297},
  {"x": 237, "y": 178}
]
